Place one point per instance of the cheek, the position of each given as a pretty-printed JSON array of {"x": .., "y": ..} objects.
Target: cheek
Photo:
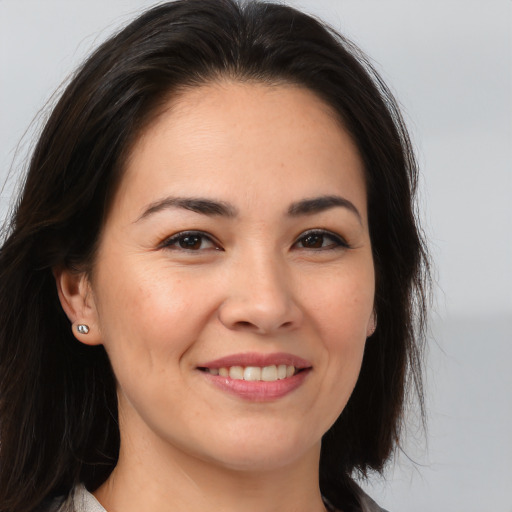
[
  {"x": 342, "y": 306},
  {"x": 341, "y": 313},
  {"x": 344, "y": 344},
  {"x": 147, "y": 318}
]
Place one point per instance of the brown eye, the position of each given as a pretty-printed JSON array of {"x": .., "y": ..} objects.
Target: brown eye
[
  {"x": 320, "y": 240},
  {"x": 313, "y": 241},
  {"x": 190, "y": 241}
]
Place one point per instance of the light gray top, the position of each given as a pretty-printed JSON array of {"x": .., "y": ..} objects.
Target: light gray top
[{"x": 81, "y": 500}]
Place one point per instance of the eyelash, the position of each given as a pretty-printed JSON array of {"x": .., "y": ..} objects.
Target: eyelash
[
  {"x": 338, "y": 241},
  {"x": 199, "y": 236},
  {"x": 173, "y": 241}
]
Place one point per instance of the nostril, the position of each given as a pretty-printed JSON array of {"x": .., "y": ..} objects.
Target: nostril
[
  {"x": 245, "y": 314},
  {"x": 243, "y": 323}
]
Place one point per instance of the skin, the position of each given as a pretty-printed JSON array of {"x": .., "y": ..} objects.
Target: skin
[{"x": 255, "y": 283}]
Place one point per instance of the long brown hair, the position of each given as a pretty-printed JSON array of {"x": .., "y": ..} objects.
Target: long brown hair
[{"x": 58, "y": 408}]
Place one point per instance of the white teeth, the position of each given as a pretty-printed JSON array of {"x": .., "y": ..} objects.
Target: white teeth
[
  {"x": 236, "y": 372},
  {"x": 255, "y": 373},
  {"x": 252, "y": 373},
  {"x": 269, "y": 373}
]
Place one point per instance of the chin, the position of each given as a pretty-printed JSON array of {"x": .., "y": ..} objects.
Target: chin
[
  {"x": 264, "y": 454},
  {"x": 260, "y": 462}
]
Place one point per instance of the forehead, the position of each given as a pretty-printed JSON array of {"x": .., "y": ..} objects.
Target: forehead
[
  {"x": 237, "y": 99},
  {"x": 228, "y": 131}
]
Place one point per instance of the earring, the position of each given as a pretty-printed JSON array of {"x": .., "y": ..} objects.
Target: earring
[{"x": 82, "y": 328}]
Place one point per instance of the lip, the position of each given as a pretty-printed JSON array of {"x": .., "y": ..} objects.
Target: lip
[
  {"x": 257, "y": 359},
  {"x": 257, "y": 391}
]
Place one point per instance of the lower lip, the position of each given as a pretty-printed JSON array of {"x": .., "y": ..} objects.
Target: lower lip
[{"x": 258, "y": 391}]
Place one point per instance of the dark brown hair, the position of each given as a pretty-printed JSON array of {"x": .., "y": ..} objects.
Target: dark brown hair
[{"x": 58, "y": 408}]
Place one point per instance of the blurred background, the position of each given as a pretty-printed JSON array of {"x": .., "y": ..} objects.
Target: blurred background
[{"x": 449, "y": 62}]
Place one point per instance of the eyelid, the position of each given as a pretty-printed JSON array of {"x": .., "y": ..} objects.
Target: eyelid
[
  {"x": 170, "y": 242},
  {"x": 340, "y": 240}
]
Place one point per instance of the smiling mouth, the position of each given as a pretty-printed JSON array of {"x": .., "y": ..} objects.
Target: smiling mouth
[{"x": 270, "y": 373}]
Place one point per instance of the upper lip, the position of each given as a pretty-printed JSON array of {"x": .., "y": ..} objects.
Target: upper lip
[{"x": 257, "y": 359}]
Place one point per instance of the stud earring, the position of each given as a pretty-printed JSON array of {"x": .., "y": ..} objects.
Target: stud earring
[{"x": 82, "y": 328}]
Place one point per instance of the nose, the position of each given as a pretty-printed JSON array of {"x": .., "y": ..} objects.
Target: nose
[{"x": 260, "y": 298}]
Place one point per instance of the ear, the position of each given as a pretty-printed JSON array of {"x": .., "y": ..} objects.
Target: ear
[
  {"x": 77, "y": 301},
  {"x": 372, "y": 324}
]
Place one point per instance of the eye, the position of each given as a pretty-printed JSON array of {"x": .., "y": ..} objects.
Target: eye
[
  {"x": 190, "y": 241},
  {"x": 320, "y": 240}
]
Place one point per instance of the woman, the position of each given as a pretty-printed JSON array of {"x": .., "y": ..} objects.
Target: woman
[{"x": 213, "y": 283}]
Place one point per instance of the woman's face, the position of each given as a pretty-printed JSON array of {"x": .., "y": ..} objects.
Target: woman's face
[{"x": 237, "y": 247}]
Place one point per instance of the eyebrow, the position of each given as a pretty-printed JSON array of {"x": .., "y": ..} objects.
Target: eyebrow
[
  {"x": 321, "y": 204},
  {"x": 220, "y": 208},
  {"x": 194, "y": 204}
]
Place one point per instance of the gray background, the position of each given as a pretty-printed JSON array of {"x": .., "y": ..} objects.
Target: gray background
[{"x": 449, "y": 63}]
